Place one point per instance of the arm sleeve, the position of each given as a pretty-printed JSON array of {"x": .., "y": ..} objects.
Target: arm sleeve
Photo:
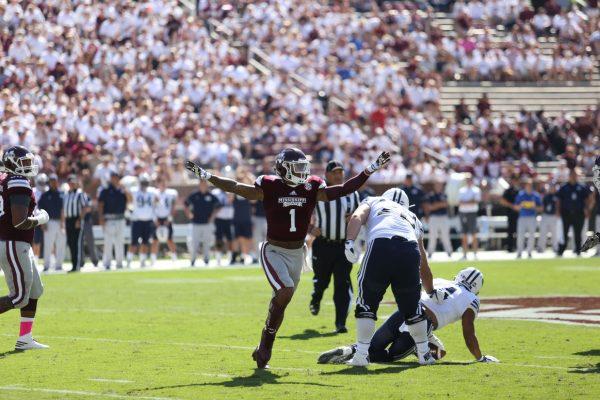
[
  {"x": 474, "y": 305},
  {"x": 18, "y": 186},
  {"x": 419, "y": 229},
  {"x": 351, "y": 185}
]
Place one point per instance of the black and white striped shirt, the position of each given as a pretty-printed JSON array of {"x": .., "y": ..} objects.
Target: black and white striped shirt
[
  {"x": 74, "y": 202},
  {"x": 331, "y": 215}
]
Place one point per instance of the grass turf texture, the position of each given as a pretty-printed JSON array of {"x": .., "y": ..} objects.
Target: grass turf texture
[{"x": 188, "y": 334}]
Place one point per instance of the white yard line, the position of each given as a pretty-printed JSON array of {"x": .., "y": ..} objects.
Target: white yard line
[
  {"x": 151, "y": 342},
  {"x": 110, "y": 380},
  {"x": 17, "y": 388},
  {"x": 558, "y": 357}
]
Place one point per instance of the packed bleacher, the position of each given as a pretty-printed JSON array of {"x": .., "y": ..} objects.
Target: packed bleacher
[{"x": 146, "y": 85}]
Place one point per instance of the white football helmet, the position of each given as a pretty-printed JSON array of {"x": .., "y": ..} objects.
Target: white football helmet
[
  {"x": 396, "y": 195},
  {"x": 471, "y": 278}
]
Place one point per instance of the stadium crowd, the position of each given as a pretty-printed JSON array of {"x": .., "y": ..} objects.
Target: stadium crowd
[{"x": 138, "y": 87}]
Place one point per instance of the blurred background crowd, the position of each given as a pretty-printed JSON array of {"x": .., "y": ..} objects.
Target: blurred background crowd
[{"x": 138, "y": 87}]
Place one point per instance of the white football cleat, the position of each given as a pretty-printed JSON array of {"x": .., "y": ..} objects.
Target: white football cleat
[
  {"x": 359, "y": 360},
  {"x": 28, "y": 343},
  {"x": 426, "y": 359},
  {"x": 336, "y": 356}
]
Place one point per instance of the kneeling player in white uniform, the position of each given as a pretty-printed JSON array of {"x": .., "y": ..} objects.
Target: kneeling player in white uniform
[{"x": 392, "y": 341}]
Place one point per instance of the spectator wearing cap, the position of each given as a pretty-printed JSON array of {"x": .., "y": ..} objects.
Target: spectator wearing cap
[
  {"x": 416, "y": 196},
  {"x": 112, "y": 202},
  {"x": 469, "y": 197},
  {"x": 328, "y": 257},
  {"x": 75, "y": 205},
  {"x": 436, "y": 206},
  {"x": 508, "y": 200},
  {"x": 527, "y": 203},
  {"x": 54, "y": 231},
  {"x": 549, "y": 221},
  {"x": 574, "y": 204}
]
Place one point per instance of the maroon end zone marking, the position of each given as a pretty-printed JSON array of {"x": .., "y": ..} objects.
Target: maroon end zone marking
[{"x": 576, "y": 310}]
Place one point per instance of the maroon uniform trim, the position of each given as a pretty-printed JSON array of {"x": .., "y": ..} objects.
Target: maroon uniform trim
[
  {"x": 17, "y": 272},
  {"x": 272, "y": 276}
]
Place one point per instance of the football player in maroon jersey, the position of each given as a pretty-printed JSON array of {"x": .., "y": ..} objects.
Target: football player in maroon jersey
[
  {"x": 17, "y": 222},
  {"x": 289, "y": 198}
]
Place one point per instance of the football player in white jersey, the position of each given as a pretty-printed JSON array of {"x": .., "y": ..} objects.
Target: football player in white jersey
[
  {"x": 395, "y": 257},
  {"x": 392, "y": 342},
  {"x": 163, "y": 211},
  {"x": 143, "y": 199}
]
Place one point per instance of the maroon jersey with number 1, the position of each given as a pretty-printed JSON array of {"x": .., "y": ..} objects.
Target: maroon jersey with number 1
[
  {"x": 288, "y": 209},
  {"x": 14, "y": 185}
]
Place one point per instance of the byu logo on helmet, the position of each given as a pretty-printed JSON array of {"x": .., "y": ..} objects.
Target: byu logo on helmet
[
  {"x": 397, "y": 196},
  {"x": 471, "y": 278}
]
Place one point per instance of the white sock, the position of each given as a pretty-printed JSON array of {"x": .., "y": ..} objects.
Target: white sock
[
  {"x": 418, "y": 332},
  {"x": 153, "y": 258},
  {"x": 129, "y": 256},
  {"x": 174, "y": 256},
  {"x": 143, "y": 258},
  {"x": 364, "y": 333}
]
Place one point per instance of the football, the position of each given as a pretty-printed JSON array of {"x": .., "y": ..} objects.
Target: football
[{"x": 437, "y": 352}]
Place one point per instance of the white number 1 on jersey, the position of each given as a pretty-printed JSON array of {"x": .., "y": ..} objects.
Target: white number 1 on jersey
[{"x": 293, "y": 220}]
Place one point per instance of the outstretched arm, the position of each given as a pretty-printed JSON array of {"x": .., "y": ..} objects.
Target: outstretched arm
[
  {"x": 228, "y": 185},
  {"x": 354, "y": 183},
  {"x": 468, "y": 328}
]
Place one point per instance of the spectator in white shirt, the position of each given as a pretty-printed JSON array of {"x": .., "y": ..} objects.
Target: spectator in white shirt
[{"x": 469, "y": 197}]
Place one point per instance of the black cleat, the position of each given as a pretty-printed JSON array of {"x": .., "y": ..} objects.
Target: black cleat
[
  {"x": 341, "y": 329},
  {"x": 314, "y": 308}
]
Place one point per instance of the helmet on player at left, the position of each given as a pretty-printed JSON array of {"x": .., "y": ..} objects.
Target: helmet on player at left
[
  {"x": 596, "y": 172},
  {"x": 396, "y": 195},
  {"x": 292, "y": 166},
  {"x": 19, "y": 160},
  {"x": 471, "y": 278}
]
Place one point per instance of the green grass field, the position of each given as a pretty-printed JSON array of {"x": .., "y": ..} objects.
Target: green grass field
[{"x": 188, "y": 334}]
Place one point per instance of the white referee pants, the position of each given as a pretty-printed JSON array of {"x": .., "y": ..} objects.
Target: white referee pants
[
  {"x": 439, "y": 228},
  {"x": 548, "y": 225},
  {"x": 54, "y": 239},
  {"x": 114, "y": 238},
  {"x": 202, "y": 235},
  {"x": 526, "y": 226}
]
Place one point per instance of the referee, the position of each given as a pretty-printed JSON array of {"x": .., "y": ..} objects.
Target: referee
[
  {"x": 76, "y": 204},
  {"x": 328, "y": 249}
]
